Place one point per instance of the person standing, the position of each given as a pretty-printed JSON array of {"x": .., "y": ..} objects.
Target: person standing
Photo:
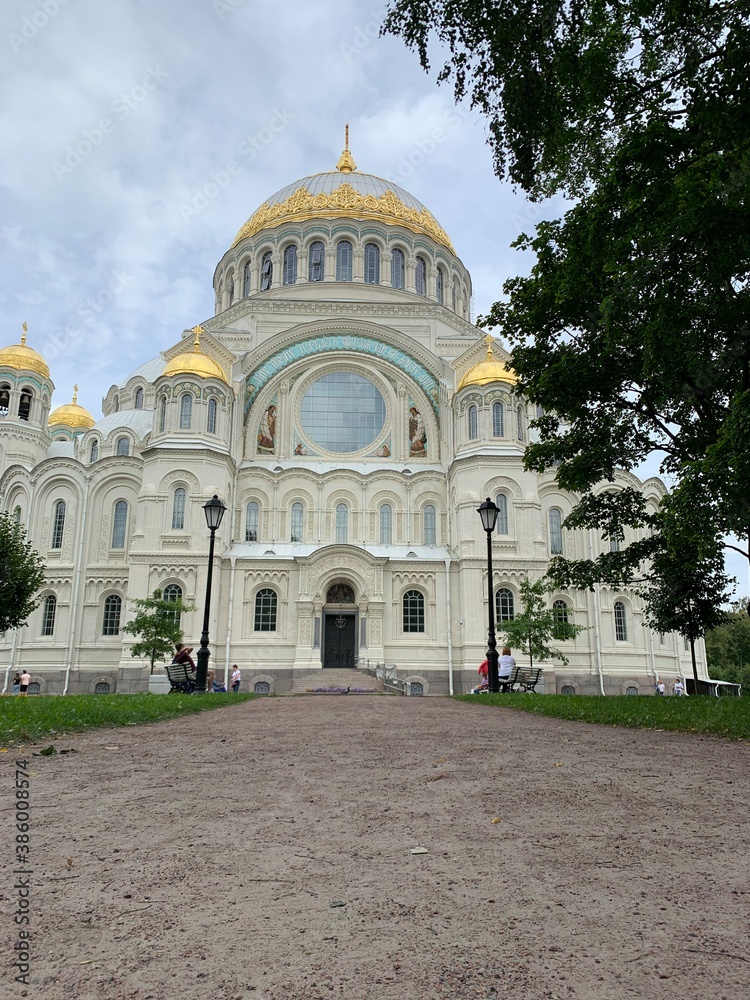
[
  {"x": 24, "y": 681},
  {"x": 236, "y": 678},
  {"x": 678, "y": 688},
  {"x": 661, "y": 687},
  {"x": 16, "y": 685}
]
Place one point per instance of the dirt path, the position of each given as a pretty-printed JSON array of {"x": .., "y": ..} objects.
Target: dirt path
[{"x": 265, "y": 851}]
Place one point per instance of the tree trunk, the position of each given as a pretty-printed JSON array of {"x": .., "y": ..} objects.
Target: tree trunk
[
  {"x": 153, "y": 657},
  {"x": 695, "y": 668},
  {"x": 531, "y": 656}
]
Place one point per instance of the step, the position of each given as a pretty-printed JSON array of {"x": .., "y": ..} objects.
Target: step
[{"x": 356, "y": 681}]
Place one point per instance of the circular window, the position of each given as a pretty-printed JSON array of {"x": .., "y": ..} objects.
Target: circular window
[{"x": 342, "y": 412}]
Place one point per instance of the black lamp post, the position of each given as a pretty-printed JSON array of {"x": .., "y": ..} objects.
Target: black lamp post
[
  {"x": 488, "y": 513},
  {"x": 214, "y": 511}
]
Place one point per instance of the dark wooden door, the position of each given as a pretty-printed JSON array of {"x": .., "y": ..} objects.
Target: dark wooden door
[{"x": 339, "y": 641}]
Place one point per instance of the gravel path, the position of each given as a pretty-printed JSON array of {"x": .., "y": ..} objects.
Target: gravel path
[{"x": 267, "y": 851}]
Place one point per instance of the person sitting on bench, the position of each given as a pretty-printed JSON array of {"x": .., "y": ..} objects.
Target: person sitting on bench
[
  {"x": 182, "y": 655},
  {"x": 506, "y": 665}
]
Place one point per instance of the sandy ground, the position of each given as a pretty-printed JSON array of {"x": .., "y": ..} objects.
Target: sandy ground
[{"x": 266, "y": 851}]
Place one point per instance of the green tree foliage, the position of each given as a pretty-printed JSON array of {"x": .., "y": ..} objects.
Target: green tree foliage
[
  {"x": 21, "y": 574},
  {"x": 537, "y": 625},
  {"x": 632, "y": 330},
  {"x": 157, "y": 625},
  {"x": 728, "y": 647}
]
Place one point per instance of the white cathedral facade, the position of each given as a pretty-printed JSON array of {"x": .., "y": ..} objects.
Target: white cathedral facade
[{"x": 345, "y": 409}]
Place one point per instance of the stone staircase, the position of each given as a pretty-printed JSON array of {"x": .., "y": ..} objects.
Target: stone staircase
[{"x": 333, "y": 678}]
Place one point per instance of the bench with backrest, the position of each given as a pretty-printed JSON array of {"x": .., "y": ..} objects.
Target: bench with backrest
[
  {"x": 180, "y": 678},
  {"x": 507, "y": 684},
  {"x": 528, "y": 678}
]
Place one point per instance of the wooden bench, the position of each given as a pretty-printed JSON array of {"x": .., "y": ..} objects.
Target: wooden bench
[
  {"x": 507, "y": 685},
  {"x": 180, "y": 678},
  {"x": 528, "y": 679}
]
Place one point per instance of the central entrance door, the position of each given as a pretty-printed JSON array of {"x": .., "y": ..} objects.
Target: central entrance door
[{"x": 339, "y": 640}]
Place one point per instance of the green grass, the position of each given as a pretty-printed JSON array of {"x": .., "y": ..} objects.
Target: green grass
[
  {"x": 28, "y": 720},
  {"x": 728, "y": 717}
]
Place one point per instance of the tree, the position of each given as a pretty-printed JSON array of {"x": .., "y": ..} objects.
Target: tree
[
  {"x": 21, "y": 574},
  {"x": 728, "y": 647},
  {"x": 157, "y": 624},
  {"x": 537, "y": 624},
  {"x": 631, "y": 332}
]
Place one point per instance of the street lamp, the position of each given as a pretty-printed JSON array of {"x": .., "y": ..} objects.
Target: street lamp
[
  {"x": 488, "y": 513},
  {"x": 214, "y": 511}
]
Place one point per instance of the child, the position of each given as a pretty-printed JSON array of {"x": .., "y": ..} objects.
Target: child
[{"x": 236, "y": 678}]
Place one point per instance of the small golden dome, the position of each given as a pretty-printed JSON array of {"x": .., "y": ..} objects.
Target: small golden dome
[
  {"x": 487, "y": 371},
  {"x": 23, "y": 358},
  {"x": 195, "y": 362},
  {"x": 72, "y": 415}
]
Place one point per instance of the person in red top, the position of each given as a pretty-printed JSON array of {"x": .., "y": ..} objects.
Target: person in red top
[{"x": 182, "y": 655}]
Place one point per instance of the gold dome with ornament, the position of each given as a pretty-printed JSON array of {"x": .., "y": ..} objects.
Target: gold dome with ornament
[
  {"x": 72, "y": 415},
  {"x": 195, "y": 362},
  {"x": 22, "y": 358},
  {"x": 489, "y": 370}
]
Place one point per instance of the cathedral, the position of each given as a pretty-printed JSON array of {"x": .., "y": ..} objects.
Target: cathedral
[{"x": 342, "y": 405}]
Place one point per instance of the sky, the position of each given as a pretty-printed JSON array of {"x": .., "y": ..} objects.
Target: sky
[{"x": 138, "y": 136}]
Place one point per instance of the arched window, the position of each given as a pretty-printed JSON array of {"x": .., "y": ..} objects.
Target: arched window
[
  {"x": 519, "y": 423},
  {"x": 567, "y": 689},
  {"x": 178, "y": 509},
  {"x": 48, "y": 615},
  {"x": 372, "y": 264},
  {"x": 413, "y": 605},
  {"x": 420, "y": 276},
  {"x": 397, "y": 269},
  {"x": 102, "y": 688},
  {"x": 163, "y": 413},
  {"x": 344, "y": 257},
  {"x": 498, "y": 420},
  {"x": 261, "y": 687},
  {"x": 251, "y": 522},
  {"x": 186, "y": 411},
  {"x": 139, "y": 399},
  {"x": 298, "y": 513},
  {"x": 289, "y": 275},
  {"x": 342, "y": 523},
  {"x": 211, "y": 416},
  {"x": 123, "y": 446},
  {"x": 428, "y": 524},
  {"x": 24, "y": 404},
  {"x": 265, "y": 610},
  {"x": 562, "y": 612},
  {"x": 119, "y": 524},
  {"x": 17, "y": 515},
  {"x": 416, "y": 689},
  {"x": 4, "y": 400},
  {"x": 621, "y": 624},
  {"x": 112, "y": 611},
  {"x": 501, "y": 525},
  {"x": 386, "y": 524},
  {"x": 631, "y": 690},
  {"x": 504, "y": 605},
  {"x": 615, "y": 540},
  {"x": 173, "y": 592},
  {"x": 266, "y": 271},
  {"x": 472, "y": 423},
  {"x": 316, "y": 262},
  {"x": 555, "y": 532},
  {"x": 246, "y": 278},
  {"x": 94, "y": 453},
  {"x": 439, "y": 285},
  {"x": 58, "y": 525}
]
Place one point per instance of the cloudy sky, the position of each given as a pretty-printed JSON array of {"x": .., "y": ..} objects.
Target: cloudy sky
[{"x": 138, "y": 136}]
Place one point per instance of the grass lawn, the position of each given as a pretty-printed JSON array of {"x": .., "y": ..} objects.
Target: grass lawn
[
  {"x": 718, "y": 716},
  {"x": 28, "y": 720}
]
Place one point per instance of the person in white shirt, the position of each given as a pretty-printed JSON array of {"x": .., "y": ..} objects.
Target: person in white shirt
[
  {"x": 236, "y": 678},
  {"x": 24, "y": 685},
  {"x": 506, "y": 664},
  {"x": 661, "y": 687},
  {"x": 678, "y": 688}
]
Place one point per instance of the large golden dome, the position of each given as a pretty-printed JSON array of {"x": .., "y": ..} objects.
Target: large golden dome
[
  {"x": 23, "y": 358},
  {"x": 195, "y": 362},
  {"x": 72, "y": 415},
  {"x": 488, "y": 371},
  {"x": 345, "y": 193}
]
